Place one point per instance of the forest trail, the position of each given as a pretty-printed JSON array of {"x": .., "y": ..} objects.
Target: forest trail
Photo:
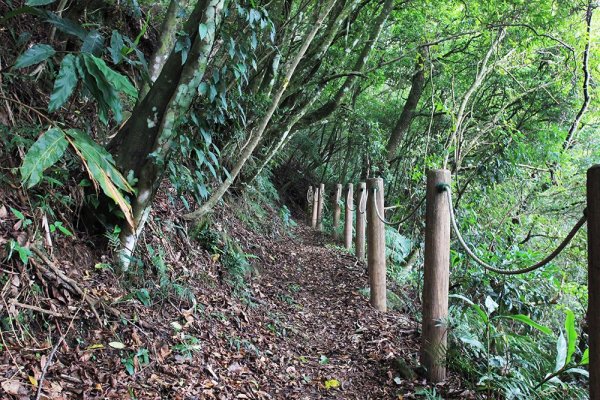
[{"x": 326, "y": 333}]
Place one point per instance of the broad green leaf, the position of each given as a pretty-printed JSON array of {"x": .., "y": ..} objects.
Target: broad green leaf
[
  {"x": 44, "y": 153},
  {"x": 183, "y": 46},
  {"x": 65, "y": 25},
  {"x": 473, "y": 342},
  {"x": 144, "y": 297},
  {"x": 64, "y": 84},
  {"x": 101, "y": 169},
  {"x": 481, "y": 313},
  {"x": 561, "y": 352},
  {"x": 105, "y": 92},
  {"x": 528, "y": 321},
  {"x": 102, "y": 157},
  {"x": 116, "y": 47},
  {"x": 93, "y": 43},
  {"x": 34, "y": 55},
  {"x": 118, "y": 81},
  {"x": 571, "y": 334},
  {"x": 461, "y": 297},
  {"x": 476, "y": 307},
  {"x": 89, "y": 83},
  {"x": 38, "y": 2},
  {"x": 579, "y": 371},
  {"x": 203, "y": 30},
  {"x": 585, "y": 359}
]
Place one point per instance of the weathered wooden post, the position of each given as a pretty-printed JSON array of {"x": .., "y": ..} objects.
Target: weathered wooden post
[
  {"x": 336, "y": 210},
  {"x": 309, "y": 200},
  {"x": 315, "y": 207},
  {"x": 376, "y": 244},
  {"x": 348, "y": 217},
  {"x": 593, "y": 314},
  {"x": 320, "y": 206},
  {"x": 437, "y": 270},
  {"x": 361, "y": 222}
]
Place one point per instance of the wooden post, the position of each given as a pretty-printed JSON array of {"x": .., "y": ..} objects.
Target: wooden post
[
  {"x": 320, "y": 207},
  {"x": 336, "y": 210},
  {"x": 361, "y": 222},
  {"x": 309, "y": 200},
  {"x": 593, "y": 314},
  {"x": 348, "y": 217},
  {"x": 376, "y": 244},
  {"x": 315, "y": 207},
  {"x": 437, "y": 270}
]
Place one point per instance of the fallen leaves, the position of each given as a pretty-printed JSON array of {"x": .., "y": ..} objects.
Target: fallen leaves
[{"x": 301, "y": 330}]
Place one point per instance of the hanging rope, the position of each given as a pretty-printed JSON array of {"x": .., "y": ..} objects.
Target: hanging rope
[
  {"x": 309, "y": 196},
  {"x": 403, "y": 220},
  {"x": 363, "y": 196},
  {"x": 347, "y": 202},
  {"x": 550, "y": 257}
]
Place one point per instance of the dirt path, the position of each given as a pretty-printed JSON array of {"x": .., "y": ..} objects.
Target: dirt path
[
  {"x": 326, "y": 331},
  {"x": 300, "y": 330}
]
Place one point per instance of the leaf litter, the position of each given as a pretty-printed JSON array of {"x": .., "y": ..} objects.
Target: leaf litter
[{"x": 300, "y": 329}]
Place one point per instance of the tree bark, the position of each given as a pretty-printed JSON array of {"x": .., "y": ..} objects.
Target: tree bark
[
  {"x": 143, "y": 145},
  {"x": 403, "y": 123},
  {"x": 166, "y": 42}
]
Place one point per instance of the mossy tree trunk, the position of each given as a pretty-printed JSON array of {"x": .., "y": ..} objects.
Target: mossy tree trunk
[{"x": 143, "y": 145}]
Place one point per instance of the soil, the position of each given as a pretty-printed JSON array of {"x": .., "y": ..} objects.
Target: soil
[{"x": 299, "y": 328}]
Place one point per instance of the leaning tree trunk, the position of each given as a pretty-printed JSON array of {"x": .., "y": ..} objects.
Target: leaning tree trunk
[
  {"x": 403, "y": 123},
  {"x": 168, "y": 32},
  {"x": 143, "y": 145},
  {"x": 256, "y": 136}
]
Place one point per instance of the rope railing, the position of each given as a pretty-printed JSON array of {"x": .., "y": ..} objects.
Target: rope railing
[
  {"x": 363, "y": 197},
  {"x": 471, "y": 253},
  {"x": 403, "y": 220},
  {"x": 348, "y": 203}
]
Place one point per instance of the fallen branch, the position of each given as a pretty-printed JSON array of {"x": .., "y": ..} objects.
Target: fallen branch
[
  {"x": 41, "y": 310},
  {"x": 71, "y": 285},
  {"x": 70, "y": 282},
  {"x": 45, "y": 369}
]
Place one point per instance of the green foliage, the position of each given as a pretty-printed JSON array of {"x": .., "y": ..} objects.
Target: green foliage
[
  {"x": 168, "y": 284},
  {"x": 34, "y": 55},
  {"x": 51, "y": 145},
  {"x": 233, "y": 259},
  {"x": 39, "y": 2},
  {"x": 286, "y": 217},
  {"x": 140, "y": 358},
  {"x": 44, "y": 153},
  {"x": 65, "y": 83},
  {"x": 511, "y": 359},
  {"x": 15, "y": 248}
]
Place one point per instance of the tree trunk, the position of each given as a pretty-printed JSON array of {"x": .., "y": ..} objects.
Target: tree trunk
[
  {"x": 403, "y": 123},
  {"x": 143, "y": 145},
  {"x": 166, "y": 42}
]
